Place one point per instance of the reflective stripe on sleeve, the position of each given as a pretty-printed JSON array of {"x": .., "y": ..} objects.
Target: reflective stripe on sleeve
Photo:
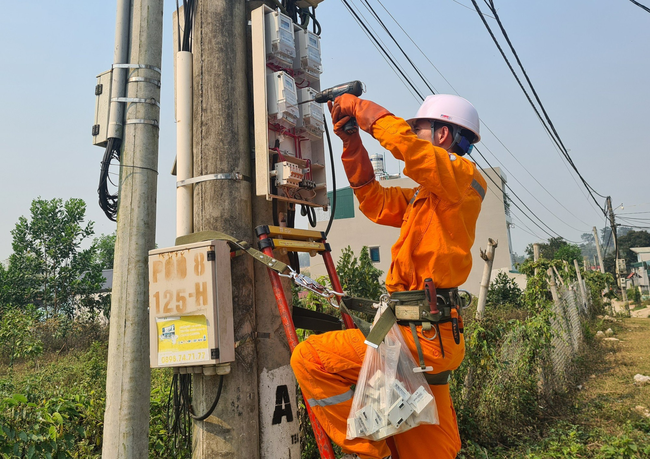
[
  {"x": 336, "y": 399},
  {"x": 479, "y": 189}
]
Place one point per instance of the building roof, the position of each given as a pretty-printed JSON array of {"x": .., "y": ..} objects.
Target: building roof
[{"x": 640, "y": 249}]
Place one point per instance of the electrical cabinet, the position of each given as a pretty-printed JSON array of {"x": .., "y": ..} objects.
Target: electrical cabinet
[
  {"x": 282, "y": 99},
  {"x": 288, "y": 134},
  {"x": 308, "y": 61},
  {"x": 102, "y": 108},
  {"x": 190, "y": 306},
  {"x": 280, "y": 44}
]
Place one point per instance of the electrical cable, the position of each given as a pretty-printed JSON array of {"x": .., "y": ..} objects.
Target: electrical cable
[
  {"x": 641, "y": 6},
  {"x": 207, "y": 414},
  {"x": 556, "y": 138},
  {"x": 333, "y": 209},
  {"x": 351, "y": 10},
  {"x": 417, "y": 70},
  {"x": 483, "y": 122},
  {"x": 108, "y": 202},
  {"x": 520, "y": 200}
]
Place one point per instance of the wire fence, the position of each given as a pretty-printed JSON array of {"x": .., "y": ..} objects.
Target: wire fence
[{"x": 566, "y": 324}]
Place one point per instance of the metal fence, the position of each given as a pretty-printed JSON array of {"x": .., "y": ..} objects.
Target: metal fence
[{"x": 566, "y": 325}]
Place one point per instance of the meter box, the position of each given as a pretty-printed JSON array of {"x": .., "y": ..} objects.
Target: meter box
[
  {"x": 102, "y": 108},
  {"x": 308, "y": 60},
  {"x": 311, "y": 113},
  {"x": 282, "y": 98},
  {"x": 280, "y": 45},
  {"x": 190, "y": 305}
]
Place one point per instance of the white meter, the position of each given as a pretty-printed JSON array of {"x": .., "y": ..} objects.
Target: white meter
[
  {"x": 308, "y": 59},
  {"x": 190, "y": 306},
  {"x": 311, "y": 113},
  {"x": 280, "y": 45},
  {"x": 282, "y": 98}
]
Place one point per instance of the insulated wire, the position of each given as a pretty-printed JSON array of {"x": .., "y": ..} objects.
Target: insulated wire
[
  {"x": 382, "y": 54},
  {"x": 351, "y": 10},
  {"x": 550, "y": 129},
  {"x": 484, "y": 123},
  {"x": 520, "y": 200},
  {"x": 641, "y": 6},
  {"x": 360, "y": 22}
]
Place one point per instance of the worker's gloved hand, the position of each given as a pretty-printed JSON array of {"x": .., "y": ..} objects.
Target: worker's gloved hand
[
  {"x": 365, "y": 111},
  {"x": 356, "y": 161}
]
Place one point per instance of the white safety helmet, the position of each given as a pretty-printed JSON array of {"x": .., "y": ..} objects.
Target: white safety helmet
[{"x": 454, "y": 110}]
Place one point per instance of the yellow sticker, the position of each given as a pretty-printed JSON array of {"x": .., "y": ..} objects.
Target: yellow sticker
[{"x": 182, "y": 340}]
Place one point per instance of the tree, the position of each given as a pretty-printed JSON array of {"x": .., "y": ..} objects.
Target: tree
[
  {"x": 629, "y": 240},
  {"x": 359, "y": 276},
  {"x": 17, "y": 338},
  {"x": 548, "y": 249},
  {"x": 105, "y": 245},
  {"x": 48, "y": 265},
  {"x": 568, "y": 253}
]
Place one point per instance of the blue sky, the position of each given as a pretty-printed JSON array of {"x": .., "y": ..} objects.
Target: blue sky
[{"x": 589, "y": 61}]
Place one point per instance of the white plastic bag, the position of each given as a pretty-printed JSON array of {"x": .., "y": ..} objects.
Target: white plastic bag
[{"x": 390, "y": 398}]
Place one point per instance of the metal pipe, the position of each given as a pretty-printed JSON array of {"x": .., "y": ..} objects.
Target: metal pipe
[
  {"x": 121, "y": 56},
  {"x": 184, "y": 156}
]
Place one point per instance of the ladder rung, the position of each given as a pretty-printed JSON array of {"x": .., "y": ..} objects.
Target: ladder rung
[
  {"x": 293, "y": 233},
  {"x": 298, "y": 246}
]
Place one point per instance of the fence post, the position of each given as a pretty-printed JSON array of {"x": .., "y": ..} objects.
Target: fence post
[
  {"x": 582, "y": 286},
  {"x": 488, "y": 256}
]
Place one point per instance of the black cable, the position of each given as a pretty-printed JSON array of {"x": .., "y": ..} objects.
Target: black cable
[
  {"x": 207, "y": 414},
  {"x": 188, "y": 10},
  {"x": 345, "y": 2},
  {"x": 333, "y": 209},
  {"x": 641, "y": 6},
  {"x": 551, "y": 130},
  {"x": 525, "y": 205},
  {"x": 417, "y": 70},
  {"x": 108, "y": 202},
  {"x": 316, "y": 25}
]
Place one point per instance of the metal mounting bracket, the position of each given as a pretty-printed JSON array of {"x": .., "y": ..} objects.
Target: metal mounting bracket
[{"x": 204, "y": 178}]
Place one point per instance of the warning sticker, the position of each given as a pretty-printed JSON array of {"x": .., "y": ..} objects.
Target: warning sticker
[{"x": 182, "y": 340}]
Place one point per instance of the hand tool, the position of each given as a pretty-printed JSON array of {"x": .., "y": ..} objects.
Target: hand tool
[{"x": 353, "y": 87}]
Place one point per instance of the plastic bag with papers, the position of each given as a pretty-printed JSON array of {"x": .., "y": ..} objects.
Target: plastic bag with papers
[{"x": 390, "y": 397}]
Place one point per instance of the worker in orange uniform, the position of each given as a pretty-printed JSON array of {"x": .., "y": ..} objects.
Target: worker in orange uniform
[{"x": 437, "y": 221}]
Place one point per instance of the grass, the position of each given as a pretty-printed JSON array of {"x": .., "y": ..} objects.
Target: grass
[{"x": 599, "y": 417}]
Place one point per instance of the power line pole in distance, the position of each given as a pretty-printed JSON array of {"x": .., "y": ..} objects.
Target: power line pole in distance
[{"x": 612, "y": 222}]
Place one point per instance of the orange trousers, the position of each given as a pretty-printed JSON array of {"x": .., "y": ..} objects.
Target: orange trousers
[{"x": 327, "y": 365}]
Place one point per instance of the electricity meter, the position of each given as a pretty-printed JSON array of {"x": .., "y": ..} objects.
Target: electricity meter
[
  {"x": 308, "y": 59},
  {"x": 280, "y": 45},
  {"x": 282, "y": 98},
  {"x": 190, "y": 306},
  {"x": 311, "y": 113}
]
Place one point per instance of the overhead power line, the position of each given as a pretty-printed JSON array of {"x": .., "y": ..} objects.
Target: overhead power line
[
  {"x": 546, "y": 121},
  {"x": 482, "y": 121},
  {"x": 641, "y": 6},
  {"x": 411, "y": 85}
]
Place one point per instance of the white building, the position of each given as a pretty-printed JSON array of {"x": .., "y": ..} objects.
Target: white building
[{"x": 352, "y": 228}]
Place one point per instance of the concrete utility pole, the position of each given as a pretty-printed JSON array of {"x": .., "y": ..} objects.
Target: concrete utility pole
[
  {"x": 488, "y": 256},
  {"x": 221, "y": 146},
  {"x": 583, "y": 292},
  {"x": 612, "y": 222},
  {"x": 126, "y": 419},
  {"x": 598, "y": 250}
]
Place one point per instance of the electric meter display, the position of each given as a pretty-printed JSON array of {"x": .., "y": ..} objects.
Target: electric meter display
[
  {"x": 308, "y": 58},
  {"x": 311, "y": 113},
  {"x": 282, "y": 98},
  {"x": 190, "y": 305},
  {"x": 280, "y": 45}
]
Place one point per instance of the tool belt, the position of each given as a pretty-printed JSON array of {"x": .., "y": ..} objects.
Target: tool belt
[{"x": 412, "y": 308}]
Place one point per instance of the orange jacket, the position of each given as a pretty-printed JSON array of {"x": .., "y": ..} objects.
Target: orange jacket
[{"x": 437, "y": 219}]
